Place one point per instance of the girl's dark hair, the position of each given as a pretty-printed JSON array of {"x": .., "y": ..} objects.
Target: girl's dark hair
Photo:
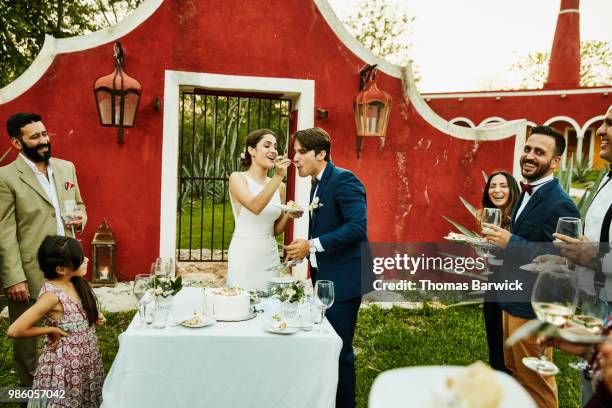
[
  {"x": 67, "y": 252},
  {"x": 512, "y": 197},
  {"x": 251, "y": 141}
]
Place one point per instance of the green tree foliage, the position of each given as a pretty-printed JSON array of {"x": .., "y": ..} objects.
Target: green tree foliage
[
  {"x": 383, "y": 29},
  {"x": 595, "y": 66},
  {"x": 24, "y": 23}
]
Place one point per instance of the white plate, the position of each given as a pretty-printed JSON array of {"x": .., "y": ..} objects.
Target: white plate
[
  {"x": 287, "y": 330},
  {"x": 249, "y": 316},
  {"x": 209, "y": 321},
  {"x": 288, "y": 209},
  {"x": 541, "y": 267},
  {"x": 421, "y": 384}
]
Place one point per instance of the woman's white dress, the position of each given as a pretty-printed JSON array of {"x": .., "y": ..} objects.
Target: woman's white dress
[{"x": 253, "y": 248}]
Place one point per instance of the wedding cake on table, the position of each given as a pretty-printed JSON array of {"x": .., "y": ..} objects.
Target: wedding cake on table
[{"x": 226, "y": 303}]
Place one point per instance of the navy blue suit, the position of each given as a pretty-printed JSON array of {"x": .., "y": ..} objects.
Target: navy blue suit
[
  {"x": 340, "y": 222},
  {"x": 536, "y": 223}
]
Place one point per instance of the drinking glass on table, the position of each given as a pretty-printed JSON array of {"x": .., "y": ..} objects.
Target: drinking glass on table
[
  {"x": 323, "y": 299},
  {"x": 591, "y": 313},
  {"x": 70, "y": 212},
  {"x": 141, "y": 284},
  {"x": 554, "y": 298}
]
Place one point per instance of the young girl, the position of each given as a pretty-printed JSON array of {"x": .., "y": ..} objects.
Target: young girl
[{"x": 71, "y": 360}]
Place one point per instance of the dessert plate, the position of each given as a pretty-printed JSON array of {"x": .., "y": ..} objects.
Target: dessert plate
[
  {"x": 272, "y": 328},
  {"x": 209, "y": 321},
  {"x": 288, "y": 208},
  {"x": 249, "y": 316}
]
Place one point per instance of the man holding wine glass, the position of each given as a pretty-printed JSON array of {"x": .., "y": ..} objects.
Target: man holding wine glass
[
  {"x": 534, "y": 220},
  {"x": 593, "y": 261},
  {"x": 33, "y": 189}
]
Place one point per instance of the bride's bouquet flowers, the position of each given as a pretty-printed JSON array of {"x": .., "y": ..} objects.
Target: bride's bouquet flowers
[
  {"x": 291, "y": 293},
  {"x": 165, "y": 286}
]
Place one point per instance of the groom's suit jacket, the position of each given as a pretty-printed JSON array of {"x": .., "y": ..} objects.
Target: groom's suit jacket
[
  {"x": 341, "y": 224},
  {"x": 536, "y": 224},
  {"x": 27, "y": 216}
]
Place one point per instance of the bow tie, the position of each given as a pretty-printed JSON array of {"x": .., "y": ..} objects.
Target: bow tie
[
  {"x": 526, "y": 188},
  {"x": 314, "y": 181}
]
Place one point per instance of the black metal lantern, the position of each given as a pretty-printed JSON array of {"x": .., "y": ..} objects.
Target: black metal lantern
[
  {"x": 117, "y": 96},
  {"x": 371, "y": 107},
  {"x": 103, "y": 250}
]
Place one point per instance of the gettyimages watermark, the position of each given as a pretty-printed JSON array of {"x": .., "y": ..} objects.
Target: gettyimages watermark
[{"x": 456, "y": 272}]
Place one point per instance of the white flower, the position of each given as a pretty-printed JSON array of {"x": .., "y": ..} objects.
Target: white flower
[{"x": 158, "y": 291}]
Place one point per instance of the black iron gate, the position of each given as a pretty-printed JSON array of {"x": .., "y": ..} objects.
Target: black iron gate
[{"x": 212, "y": 130}]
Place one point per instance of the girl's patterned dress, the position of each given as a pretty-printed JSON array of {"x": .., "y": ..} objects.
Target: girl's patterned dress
[{"x": 75, "y": 365}]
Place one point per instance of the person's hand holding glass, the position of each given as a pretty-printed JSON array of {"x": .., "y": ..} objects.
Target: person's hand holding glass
[
  {"x": 71, "y": 215},
  {"x": 323, "y": 299}
]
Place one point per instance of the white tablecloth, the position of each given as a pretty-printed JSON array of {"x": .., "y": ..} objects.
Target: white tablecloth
[
  {"x": 235, "y": 364},
  {"x": 417, "y": 387}
]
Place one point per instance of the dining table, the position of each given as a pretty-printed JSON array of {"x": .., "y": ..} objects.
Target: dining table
[{"x": 225, "y": 364}]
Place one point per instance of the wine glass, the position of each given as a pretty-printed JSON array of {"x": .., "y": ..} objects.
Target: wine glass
[
  {"x": 141, "y": 284},
  {"x": 489, "y": 216},
  {"x": 591, "y": 313},
  {"x": 69, "y": 212},
  {"x": 554, "y": 298},
  {"x": 158, "y": 268},
  {"x": 323, "y": 298},
  {"x": 570, "y": 226}
]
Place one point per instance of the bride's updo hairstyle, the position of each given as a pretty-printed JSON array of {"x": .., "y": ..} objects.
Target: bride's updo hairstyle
[{"x": 251, "y": 141}]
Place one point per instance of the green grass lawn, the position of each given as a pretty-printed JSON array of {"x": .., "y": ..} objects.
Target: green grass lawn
[{"x": 385, "y": 339}]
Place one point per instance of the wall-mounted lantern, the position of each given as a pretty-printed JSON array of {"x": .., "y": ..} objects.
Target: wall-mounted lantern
[
  {"x": 372, "y": 107},
  {"x": 117, "y": 96},
  {"x": 103, "y": 252}
]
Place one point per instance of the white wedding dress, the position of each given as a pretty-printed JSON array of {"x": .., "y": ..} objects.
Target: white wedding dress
[{"x": 253, "y": 248}]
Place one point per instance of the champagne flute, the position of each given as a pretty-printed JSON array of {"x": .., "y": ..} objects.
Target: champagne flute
[
  {"x": 591, "y": 313},
  {"x": 489, "y": 216},
  {"x": 554, "y": 298},
  {"x": 69, "y": 213},
  {"x": 323, "y": 298},
  {"x": 141, "y": 284}
]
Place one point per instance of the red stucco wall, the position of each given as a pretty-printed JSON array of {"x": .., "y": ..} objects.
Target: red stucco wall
[{"x": 411, "y": 183}]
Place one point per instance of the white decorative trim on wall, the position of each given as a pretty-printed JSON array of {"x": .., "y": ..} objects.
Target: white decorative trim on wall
[
  {"x": 566, "y": 119},
  {"x": 590, "y": 122},
  {"x": 454, "y": 121},
  {"x": 54, "y": 46},
  {"x": 516, "y": 128},
  {"x": 351, "y": 42},
  {"x": 301, "y": 91},
  {"x": 485, "y": 94},
  {"x": 492, "y": 119}
]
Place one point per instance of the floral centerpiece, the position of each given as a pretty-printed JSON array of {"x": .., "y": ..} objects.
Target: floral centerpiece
[
  {"x": 165, "y": 286},
  {"x": 291, "y": 293}
]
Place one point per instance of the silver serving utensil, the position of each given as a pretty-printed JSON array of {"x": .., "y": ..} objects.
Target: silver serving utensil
[{"x": 284, "y": 265}]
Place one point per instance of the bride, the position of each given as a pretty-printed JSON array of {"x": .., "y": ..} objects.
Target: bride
[{"x": 254, "y": 198}]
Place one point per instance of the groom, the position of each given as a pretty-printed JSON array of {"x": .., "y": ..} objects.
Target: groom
[{"x": 338, "y": 240}]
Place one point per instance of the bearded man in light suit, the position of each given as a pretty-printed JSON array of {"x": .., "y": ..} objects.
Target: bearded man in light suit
[{"x": 33, "y": 189}]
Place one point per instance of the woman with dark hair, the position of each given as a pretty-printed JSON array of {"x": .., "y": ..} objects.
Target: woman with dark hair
[
  {"x": 71, "y": 360},
  {"x": 255, "y": 200},
  {"x": 501, "y": 191}
]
